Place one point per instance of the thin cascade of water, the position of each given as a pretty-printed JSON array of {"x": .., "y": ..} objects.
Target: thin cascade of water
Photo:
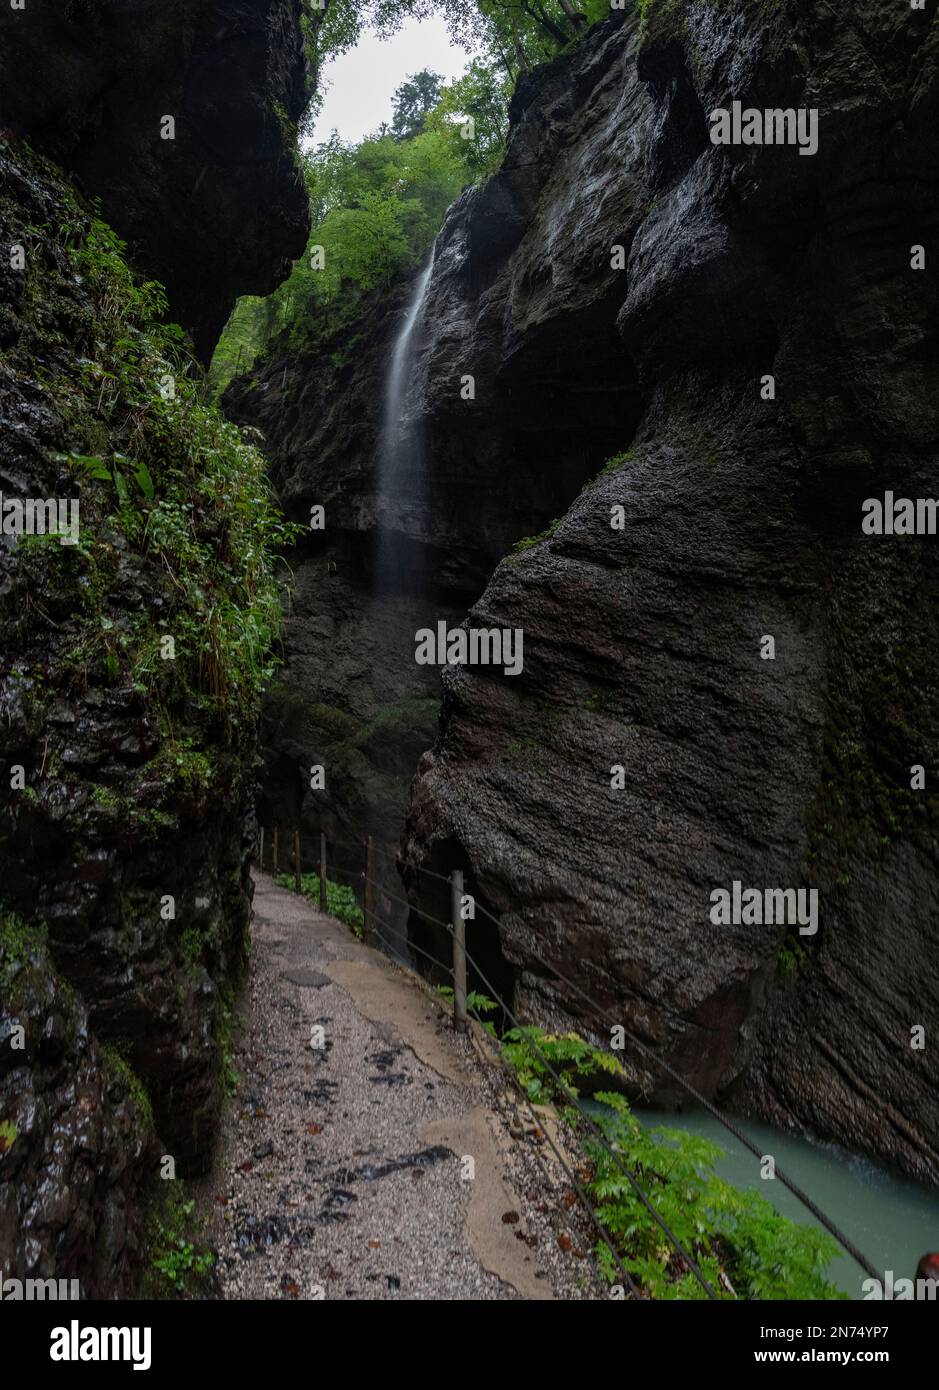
[{"x": 401, "y": 477}]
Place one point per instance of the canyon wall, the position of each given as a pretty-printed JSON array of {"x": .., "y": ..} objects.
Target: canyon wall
[
  {"x": 620, "y": 290},
  {"x": 126, "y": 816}
]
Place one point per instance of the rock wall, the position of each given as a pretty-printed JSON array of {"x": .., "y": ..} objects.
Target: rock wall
[
  {"x": 126, "y": 816},
  {"x": 618, "y": 291},
  {"x": 219, "y": 209},
  {"x": 742, "y": 519}
]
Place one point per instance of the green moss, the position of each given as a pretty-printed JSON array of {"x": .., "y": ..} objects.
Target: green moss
[
  {"x": 19, "y": 941},
  {"x": 171, "y": 494},
  {"x": 227, "y": 1023},
  {"x": 337, "y": 724},
  {"x": 345, "y": 739},
  {"x": 791, "y": 959},
  {"x": 115, "y": 1062},
  {"x": 864, "y": 800},
  {"x": 106, "y": 797},
  {"x": 153, "y": 822},
  {"x": 527, "y": 542},
  {"x": 525, "y": 751},
  {"x": 596, "y": 701},
  {"x": 189, "y": 950},
  {"x": 182, "y": 767},
  {"x": 614, "y": 464},
  {"x": 418, "y": 710},
  {"x": 8, "y": 1133}
]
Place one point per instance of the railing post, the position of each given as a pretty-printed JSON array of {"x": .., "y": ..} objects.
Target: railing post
[
  {"x": 296, "y": 861},
  {"x": 261, "y": 856},
  {"x": 322, "y": 872},
  {"x": 274, "y": 853},
  {"x": 368, "y": 934},
  {"x": 459, "y": 951}
]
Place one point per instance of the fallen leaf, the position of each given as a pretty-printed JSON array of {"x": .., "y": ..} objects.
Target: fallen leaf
[
  {"x": 565, "y": 1242},
  {"x": 221, "y": 1199},
  {"x": 314, "y": 1129},
  {"x": 509, "y": 1218},
  {"x": 374, "y": 1244}
]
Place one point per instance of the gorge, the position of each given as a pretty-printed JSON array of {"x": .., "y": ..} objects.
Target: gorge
[
  {"x": 688, "y": 276},
  {"x": 725, "y": 347}
]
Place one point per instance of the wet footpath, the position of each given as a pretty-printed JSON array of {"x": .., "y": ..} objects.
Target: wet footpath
[{"x": 366, "y": 1154}]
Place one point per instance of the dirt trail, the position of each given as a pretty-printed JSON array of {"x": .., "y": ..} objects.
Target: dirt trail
[{"x": 343, "y": 1168}]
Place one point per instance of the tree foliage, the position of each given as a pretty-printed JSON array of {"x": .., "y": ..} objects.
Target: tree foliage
[{"x": 413, "y": 102}]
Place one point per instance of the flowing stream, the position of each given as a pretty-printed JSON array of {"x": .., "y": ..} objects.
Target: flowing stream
[{"x": 891, "y": 1221}]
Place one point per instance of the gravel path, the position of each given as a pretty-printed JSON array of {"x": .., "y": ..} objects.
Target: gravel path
[{"x": 383, "y": 1161}]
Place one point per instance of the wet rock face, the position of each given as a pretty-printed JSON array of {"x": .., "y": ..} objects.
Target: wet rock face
[
  {"x": 217, "y": 211},
  {"x": 127, "y": 829},
  {"x": 83, "y": 1145},
  {"x": 741, "y": 519}
]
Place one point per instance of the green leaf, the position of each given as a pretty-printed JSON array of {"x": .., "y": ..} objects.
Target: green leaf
[{"x": 144, "y": 480}]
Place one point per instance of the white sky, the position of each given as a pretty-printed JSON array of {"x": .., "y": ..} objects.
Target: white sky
[{"x": 360, "y": 84}]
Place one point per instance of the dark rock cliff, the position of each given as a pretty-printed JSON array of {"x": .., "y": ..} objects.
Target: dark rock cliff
[
  {"x": 126, "y": 818},
  {"x": 215, "y": 212},
  {"x": 742, "y": 520}
]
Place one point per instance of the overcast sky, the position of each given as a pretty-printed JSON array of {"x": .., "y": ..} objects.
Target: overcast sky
[{"x": 359, "y": 84}]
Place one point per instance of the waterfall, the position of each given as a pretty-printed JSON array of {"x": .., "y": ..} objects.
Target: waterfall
[
  {"x": 401, "y": 567},
  {"x": 401, "y": 481}
]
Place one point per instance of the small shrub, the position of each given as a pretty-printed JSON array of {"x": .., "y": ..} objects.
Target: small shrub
[{"x": 179, "y": 1266}]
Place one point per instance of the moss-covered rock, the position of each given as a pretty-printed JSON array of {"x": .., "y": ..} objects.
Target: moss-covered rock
[{"x": 131, "y": 670}]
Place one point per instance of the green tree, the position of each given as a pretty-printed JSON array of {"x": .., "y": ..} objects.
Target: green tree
[
  {"x": 482, "y": 93},
  {"x": 412, "y": 103}
]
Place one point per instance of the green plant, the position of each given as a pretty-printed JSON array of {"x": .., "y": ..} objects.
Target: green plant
[
  {"x": 534, "y": 1053},
  {"x": 179, "y": 1265},
  {"x": 186, "y": 491},
  {"x": 476, "y": 1004},
  {"x": 744, "y": 1248},
  {"x": 340, "y": 899},
  {"x": 741, "y": 1244},
  {"x": 8, "y": 1133}
]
